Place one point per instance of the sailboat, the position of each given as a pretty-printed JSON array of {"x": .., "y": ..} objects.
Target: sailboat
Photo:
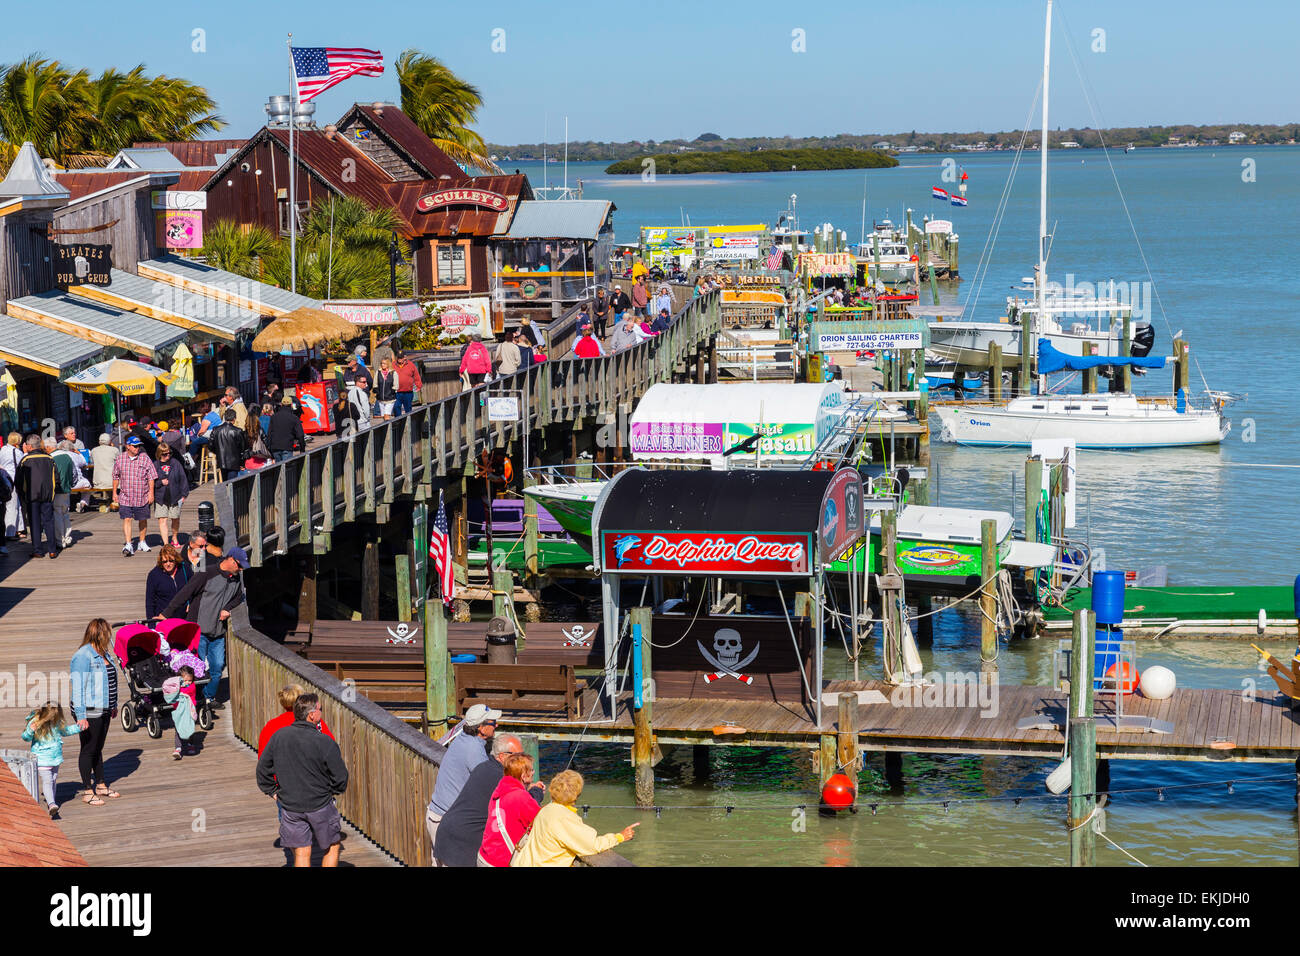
[
  {"x": 1113, "y": 420},
  {"x": 1069, "y": 321}
]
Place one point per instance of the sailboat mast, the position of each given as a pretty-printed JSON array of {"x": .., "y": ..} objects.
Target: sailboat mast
[{"x": 1039, "y": 320}]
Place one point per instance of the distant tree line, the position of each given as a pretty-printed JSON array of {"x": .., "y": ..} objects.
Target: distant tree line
[
  {"x": 590, "y": 151},
  {"x": 764, "y": 161}
]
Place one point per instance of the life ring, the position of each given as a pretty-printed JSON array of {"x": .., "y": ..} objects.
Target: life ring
[
  {"x": 915, "y": 258},
  {"x": 530, "y": 289}
]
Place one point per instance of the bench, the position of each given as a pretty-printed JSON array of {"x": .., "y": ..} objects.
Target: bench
[
  {"x": 389, "y": 683},
  {"x": 368, "y": 640},
  {"x": 540, "y": 688}
]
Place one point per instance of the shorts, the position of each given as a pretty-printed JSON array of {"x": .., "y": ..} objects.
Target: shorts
[
  {"x": 300, "y": 829},
  {"x": 129, "y": 512},
  {"x": 161, "y": 510},
  {"x": 386, "y": 408}
]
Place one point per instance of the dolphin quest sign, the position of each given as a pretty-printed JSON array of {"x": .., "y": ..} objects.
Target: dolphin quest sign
[{"x": 704, "y": 553}]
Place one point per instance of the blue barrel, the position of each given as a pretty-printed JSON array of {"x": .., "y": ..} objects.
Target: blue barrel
[
  {"x": 1108, "y": 596},
  {"x": 1296, "y": 596},
  {"x": 464, "y": 659},
  {"x": 1106, "y": 654}
]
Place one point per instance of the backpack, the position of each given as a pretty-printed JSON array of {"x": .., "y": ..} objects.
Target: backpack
[{"x": 6, "y": 486}]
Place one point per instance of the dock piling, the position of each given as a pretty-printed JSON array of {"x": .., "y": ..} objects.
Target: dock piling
[
  {"x": 988, "y": 599},
  {"x": 1089, "y": 374},
  {"x": 642, "y": 715},
  {"x": 847, "y": 759},
  {"x": 437, "y": 675},
  {"x": 1082, "y": 732},
  {"x": 995, "y": 371},
  {"x": 1126, "y": 350}
]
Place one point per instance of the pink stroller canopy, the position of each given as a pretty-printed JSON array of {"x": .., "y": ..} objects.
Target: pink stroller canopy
[
  {"x": 139, "y": 636},
  {"x": 182, "y": 635}
]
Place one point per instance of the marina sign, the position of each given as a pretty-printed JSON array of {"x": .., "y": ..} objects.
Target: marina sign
[
  {"x": 461, "y": 197},
  {"x": 705, "y": 553},
  {"x": 868, "y": 341}
]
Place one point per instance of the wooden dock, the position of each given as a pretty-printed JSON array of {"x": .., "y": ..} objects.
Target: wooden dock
[
  {"x": 205, "y": 810},
  {"x": 1208, "y": 724}
]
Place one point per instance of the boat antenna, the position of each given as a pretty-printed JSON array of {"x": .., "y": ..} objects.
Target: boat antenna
[
  {"x": 565, "y": 193},
  {"x": 862, "y": 235},
  {"x": 546, "y": 132}
]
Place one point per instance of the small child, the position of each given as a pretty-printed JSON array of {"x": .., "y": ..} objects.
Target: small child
[
  {"x": 176, "y": 690},
  {"x": 46, "y": 728}
]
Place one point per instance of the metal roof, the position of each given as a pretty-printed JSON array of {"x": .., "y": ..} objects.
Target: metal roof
[
  {"x": 559, "y": 219},
  {"x": 129, "y": 330},
  {"x": 148, "y": 158},
  {"x": 25, "y": 343},
  {"x": 28, "y": 177},
  {"x": 272, "y": 298},
  {"x": 199, "y": 152},
  {"x": 224, "y": 318},
  {"x": 467, "y": 220},
  {"x": 404, "y": 135}
]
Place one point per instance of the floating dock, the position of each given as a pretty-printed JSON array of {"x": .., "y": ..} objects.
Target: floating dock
[{"x": 1212, "y": 612}]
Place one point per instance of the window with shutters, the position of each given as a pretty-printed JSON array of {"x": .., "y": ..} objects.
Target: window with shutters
[{"x": 450, "y": 260}]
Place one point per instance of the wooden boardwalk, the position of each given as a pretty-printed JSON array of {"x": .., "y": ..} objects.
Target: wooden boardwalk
[
  {"x": 205, "y": 810},
  {"x": 1208, "y": 724}
]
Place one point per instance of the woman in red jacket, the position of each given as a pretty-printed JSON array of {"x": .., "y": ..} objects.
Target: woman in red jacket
[{"x": 510, "y": 812}]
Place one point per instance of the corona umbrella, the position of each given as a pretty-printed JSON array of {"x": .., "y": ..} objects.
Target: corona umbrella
[
  {"x": 122, "y": 376},
  {"x": 8, "y": 400}
]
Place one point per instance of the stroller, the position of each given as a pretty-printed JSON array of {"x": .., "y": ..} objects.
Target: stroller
[{"x": 138, "y": 648}]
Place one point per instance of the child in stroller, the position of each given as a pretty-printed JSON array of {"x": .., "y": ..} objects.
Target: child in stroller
[{"x": 151, "y": 655}]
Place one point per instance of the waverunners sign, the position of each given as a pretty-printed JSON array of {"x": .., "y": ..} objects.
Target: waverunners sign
[{"x": 740, "y": 555}]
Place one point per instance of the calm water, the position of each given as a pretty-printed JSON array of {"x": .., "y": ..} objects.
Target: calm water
[{"x": 1220, "y": 252}]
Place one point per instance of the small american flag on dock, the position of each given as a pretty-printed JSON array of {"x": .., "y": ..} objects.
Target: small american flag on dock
[
  {"x": 938, "y": 193},
  {"x": 317, "y": 68},
  {"x": 440, "y": 553}
]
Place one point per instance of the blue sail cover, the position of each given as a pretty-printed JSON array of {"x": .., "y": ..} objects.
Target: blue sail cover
[{"x": 1051, "y": 359}]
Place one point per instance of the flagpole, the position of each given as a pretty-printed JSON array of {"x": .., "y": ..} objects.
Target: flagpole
[{"x": 293, "y": 174}]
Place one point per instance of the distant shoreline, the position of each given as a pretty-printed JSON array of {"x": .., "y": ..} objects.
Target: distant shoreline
[
  {"x": 908, "y": 143},
  {"x": 764, "y": 161}
]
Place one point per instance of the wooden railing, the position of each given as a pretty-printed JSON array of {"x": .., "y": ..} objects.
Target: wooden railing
[
  {"x": 391, "y": 767},
  {"x": 302, "y": 499}
]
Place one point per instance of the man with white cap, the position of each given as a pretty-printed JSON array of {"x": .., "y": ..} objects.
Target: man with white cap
[{"x": 467, "y": 749}]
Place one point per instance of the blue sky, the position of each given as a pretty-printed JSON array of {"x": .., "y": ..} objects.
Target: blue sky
[{"x": 671, "y": 68}]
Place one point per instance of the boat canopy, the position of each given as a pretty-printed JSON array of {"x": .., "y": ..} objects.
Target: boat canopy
[
  {"x": 703, "y": 421},
  {"x": 1052, "y": 359}
]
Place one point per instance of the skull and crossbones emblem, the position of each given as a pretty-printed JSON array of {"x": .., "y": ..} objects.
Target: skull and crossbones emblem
[
  {"x": 405, "y": 634},
  {"x": 727, "y": 648},
  {"x": 577, "y": 636}
]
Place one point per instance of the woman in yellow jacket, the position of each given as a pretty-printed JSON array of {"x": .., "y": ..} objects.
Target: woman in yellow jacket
[{"x": 558, "y": 833}]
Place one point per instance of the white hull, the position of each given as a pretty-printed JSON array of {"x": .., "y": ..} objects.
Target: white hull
[
  {"x": 1093, "y": 421},
  {"x": 967, "y": 343}
]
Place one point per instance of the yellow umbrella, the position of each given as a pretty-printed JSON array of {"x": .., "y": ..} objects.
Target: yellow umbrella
[
  {"x": 183, "y": 369},
  {"x": 123, "y": 375},
  {"x": 8, "y": 399}
]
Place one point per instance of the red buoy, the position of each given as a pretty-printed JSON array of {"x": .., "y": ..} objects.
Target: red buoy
[
  {"x": 838, "y": 792},
  {"x": 1128, "y": 676}
]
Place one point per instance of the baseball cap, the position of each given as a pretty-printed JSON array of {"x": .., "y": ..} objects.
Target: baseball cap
[
  {"x": 161, "y": 426},
  {"x": 481, "y": 712},
  {"x": 134, "y": 440},
  {"x": 240, "y": 556}
]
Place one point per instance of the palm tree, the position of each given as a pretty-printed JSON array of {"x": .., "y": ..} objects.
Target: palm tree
[
  {"x": 237, "y": 248},
  {"x": 443, "y": 106},
  {"x": 77, "y": 120}
]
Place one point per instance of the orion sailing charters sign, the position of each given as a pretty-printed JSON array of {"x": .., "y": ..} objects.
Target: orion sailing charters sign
[
  {"x": 462, "y": 197},
  {"x": 754, "y": 554},
  {"x": 80, "y": 263}
]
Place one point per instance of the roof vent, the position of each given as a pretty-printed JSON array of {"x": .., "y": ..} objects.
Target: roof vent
[{"x": 277, "y": 111}]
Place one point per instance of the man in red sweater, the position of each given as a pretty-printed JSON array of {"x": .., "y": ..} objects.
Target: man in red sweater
[{"x": 408, "y": 382}]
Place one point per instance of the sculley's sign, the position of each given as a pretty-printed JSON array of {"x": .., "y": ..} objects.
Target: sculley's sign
[
  {"x": 461, "y": 197},
  {"x": 742, "y": 555}
]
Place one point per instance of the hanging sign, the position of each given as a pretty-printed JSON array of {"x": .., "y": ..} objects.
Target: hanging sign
[
  {"x": 503, "y": 408},
  {"x": 82, "y": 264},
  {"x": 704, "y": 553},
  {"x": 181, "y": 229},
  {"x": 868, "y": 341},
  {"x": 462, "y": 197},
  {"x": 178, "y": 199},
  {"x": 841, "y": 520}
]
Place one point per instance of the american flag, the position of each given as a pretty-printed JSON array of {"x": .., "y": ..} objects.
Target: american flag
[
  {"x": 774, "y": 259},
  {"x": 440, "y": 553},
  {"x": 317, "y": 68}
]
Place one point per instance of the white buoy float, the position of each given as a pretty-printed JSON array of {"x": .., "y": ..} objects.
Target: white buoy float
[{"x": 1158, "y": 683}]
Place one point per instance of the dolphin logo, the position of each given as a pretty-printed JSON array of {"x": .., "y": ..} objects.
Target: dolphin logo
[
  {"x": 313, "y": 404},
  {"x": 623, "y": 545}
]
